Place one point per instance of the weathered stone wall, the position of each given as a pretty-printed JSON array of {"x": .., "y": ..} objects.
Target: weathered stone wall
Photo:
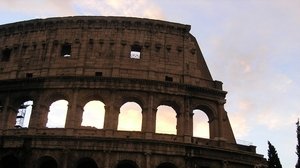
[{"x": 103, "y": 44}]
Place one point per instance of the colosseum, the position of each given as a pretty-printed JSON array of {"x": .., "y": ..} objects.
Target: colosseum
[{"x": 114, "y": 61}]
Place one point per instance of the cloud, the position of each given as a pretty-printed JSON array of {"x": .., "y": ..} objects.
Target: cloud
[
  {"x": 133, "y": 8},
  {"x": 51, "y": 8},
  {"x": 239, "y": 118},
  {"x": 275, "y": 119},
  {"x": 270, "y": 119},
  {"x": 246, "y": 67},
  {"x": 43, "y": 8},
  {"x": 239, "y": 125},
  {"x": 283, "y": 83}
]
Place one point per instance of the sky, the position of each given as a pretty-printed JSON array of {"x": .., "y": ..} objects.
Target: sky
[{"x": 252, "y": 46}]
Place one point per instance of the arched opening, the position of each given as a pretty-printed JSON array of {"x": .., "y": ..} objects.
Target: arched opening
[
  {"x": 5, "y": 56},
  {"x": 130, "y": 117},
  {"x": 166, "y": 120},
  {"x": 200, "y": 124},
  {"x": 47, "y": 162},
  {"x": 93, "y": 114},
  {"x": 127, "y": 164},
  {"x": 57, "y": 114},
  {"x": 23, "y": 115},
  {"x": 166, "y": 165},
  {"x": 9, "y": 161},
  {"x": 86, "y": 163}
]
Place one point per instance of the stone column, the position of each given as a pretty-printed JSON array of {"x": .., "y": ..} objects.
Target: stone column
[
  {"x": 149, "y": 118},
  {"x": 11, "y": 117},
  {"x": 147, "y": 160},
  {"x": 107, "y": 159},
  {"x": 220, "y": 119},
  {"x": 78, "y": 116},
  {"x": 39, "y": 116},
  {"x": 42, "y": 115},
  {"x": 110, "y": 115},
  {"x": 214, "y": 127},
  {"x": 144, "y": 119},
  {"x": 72, "y": 111},
  {"x": 152, "y": 122},
  {"x": 4, "y": 113},
  {"x": 180, "y": 123},
  {"x": 188, "y": 119},
  {"x": 65, "y": 158},
  {"x": 148, "y": 125},
  {"x": 115, "y": 117},
  {"x": 32, "y": 116},
  {"x": 107, "y": 108},
  {"x": 107, "y": 116},
  {"x": 188, "y": 122}
]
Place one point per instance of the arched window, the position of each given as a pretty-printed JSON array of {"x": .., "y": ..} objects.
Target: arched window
[
  {"x": 9, "y": 161},
  {"x": 57, "y": 114},
  {"x": 130, "y": 117},
  {"x": 86, "y": 163},
  {"x": 23, "y": 115},
  {"x": 166, "y": 120},
  {"x": 127, "y": 164},
  {"x": 166, "y": 165},
  {"x": 5, "y": 56},
  {"x": 93, "y": 114},
  {"x": 200, "y": 124},
  {"x": 47, "y": 162}
]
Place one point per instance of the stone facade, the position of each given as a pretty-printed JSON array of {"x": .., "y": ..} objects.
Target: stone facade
[{"x": 80, "y": 59}]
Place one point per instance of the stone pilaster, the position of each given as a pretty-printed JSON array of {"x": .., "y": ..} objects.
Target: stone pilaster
[
  {"x": 4, "y": 113},
  {"x": 72, "y": 111}
]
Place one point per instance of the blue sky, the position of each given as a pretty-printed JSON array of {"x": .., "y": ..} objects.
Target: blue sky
[{"x": 252, "y": 46}]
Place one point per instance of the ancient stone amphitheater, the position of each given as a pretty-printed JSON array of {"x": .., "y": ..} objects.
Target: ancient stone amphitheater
[{"x": 113, "y": 60}]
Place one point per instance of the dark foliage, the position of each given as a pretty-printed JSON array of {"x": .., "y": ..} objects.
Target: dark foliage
[
  {"x": 298, "y": 145},
  {"x": 273, "y": 160}
]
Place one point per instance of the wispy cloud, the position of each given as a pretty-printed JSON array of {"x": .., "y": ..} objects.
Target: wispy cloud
[
  {"x": 47, "y": 8},
  {"x": 239, "y": 118},
  {"x": 43, "y": 8},
  {"x": 270, "y": 119},
  {"x": 136, "y": 8},
  {"x": 239, "y": 125}
]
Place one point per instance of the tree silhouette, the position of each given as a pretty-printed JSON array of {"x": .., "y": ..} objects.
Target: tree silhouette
[
  {"x": 298, "y": 146},
  {"x": 273, "y": 160}
]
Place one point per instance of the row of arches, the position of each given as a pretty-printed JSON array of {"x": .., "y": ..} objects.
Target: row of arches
[
  {"x": 130, "y": 117},
  {"x": 10, "y": 161}
]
